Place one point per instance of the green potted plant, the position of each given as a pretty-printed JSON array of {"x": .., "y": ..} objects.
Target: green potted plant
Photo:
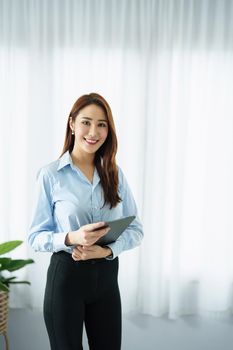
[{"x": 10, "y": 265}]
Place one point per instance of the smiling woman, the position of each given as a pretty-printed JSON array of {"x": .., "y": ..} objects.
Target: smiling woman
[{"x": 78, "y": 193}]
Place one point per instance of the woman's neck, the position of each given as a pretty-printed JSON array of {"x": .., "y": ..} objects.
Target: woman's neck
[{"x": 80, "y": 159}]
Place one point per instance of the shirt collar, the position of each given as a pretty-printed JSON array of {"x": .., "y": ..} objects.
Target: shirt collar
[
  {"x": 67, "y": 160},
  {"x": 64, "y": 160}
]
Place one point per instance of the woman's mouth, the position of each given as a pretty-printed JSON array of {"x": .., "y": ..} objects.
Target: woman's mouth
[{"x": 91, "y": 142}]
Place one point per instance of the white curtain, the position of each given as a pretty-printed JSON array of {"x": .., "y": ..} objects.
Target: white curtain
[{"x": 166, "y": 68}]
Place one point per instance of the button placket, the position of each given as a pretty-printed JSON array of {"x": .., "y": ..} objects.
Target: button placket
[{"x": 95, "y": 207}]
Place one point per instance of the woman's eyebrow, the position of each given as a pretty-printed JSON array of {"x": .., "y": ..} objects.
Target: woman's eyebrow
[{"x": 100, "y": 120}]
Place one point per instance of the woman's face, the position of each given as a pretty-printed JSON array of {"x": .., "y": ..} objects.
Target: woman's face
[{"x": 90, "y": 128}]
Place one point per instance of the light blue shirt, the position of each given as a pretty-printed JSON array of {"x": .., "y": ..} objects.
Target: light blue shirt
[{"x": 67, "y": 200}]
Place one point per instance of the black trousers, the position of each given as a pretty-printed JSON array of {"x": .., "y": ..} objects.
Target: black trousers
[{"x": 82, "y": 292}]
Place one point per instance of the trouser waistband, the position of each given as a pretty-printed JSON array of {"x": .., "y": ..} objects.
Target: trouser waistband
[{"x": 67, "y": 256}]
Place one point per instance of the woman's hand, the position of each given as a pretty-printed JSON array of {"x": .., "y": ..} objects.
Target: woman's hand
[
  {"x": 93, "y": 252},
  {"x": 87, "y": 234}
]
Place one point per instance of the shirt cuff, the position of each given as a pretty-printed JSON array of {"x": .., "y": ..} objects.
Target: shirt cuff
[
  {"x": 116, "y": 250},
  {"x": 59, "y": 242}
]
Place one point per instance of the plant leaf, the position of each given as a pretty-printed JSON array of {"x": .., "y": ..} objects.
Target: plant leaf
[
  {"x": 4, "y": 262},
  {"x": 17, "y": 264},
  {"x": 6, "y": 281},
  {"x": 3, "y": 287},
  {"x": 16, "y": 282},
  {"x": 8, "y": 246},
  {"x": 9, "y": 279}
]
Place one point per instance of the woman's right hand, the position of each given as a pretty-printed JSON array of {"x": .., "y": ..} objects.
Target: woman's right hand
[{"x": 86, "y": 235}]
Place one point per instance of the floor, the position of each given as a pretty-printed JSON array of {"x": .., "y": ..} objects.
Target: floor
[{"x": 26, "y": 331}]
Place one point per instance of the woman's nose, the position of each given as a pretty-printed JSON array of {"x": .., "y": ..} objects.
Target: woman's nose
[{"x": 93, "y": 131}]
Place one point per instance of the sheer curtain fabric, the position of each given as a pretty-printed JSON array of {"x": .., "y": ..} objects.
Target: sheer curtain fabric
[{"x": 166, "y": 68}]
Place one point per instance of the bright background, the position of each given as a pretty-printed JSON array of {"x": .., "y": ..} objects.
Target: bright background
[{"x": 166, "y": 69}]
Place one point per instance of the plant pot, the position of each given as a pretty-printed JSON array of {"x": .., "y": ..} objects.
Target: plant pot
[{"x": 4, "y": 298}]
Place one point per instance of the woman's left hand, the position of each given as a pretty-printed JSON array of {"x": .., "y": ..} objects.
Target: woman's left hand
[{"x": 92, "y": 252}]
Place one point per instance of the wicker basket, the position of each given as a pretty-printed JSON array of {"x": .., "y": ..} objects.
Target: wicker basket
[{"x": 4, "y": 297}]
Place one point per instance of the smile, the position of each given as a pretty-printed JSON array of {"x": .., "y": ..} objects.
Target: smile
[{"x": 91, "y": 142}]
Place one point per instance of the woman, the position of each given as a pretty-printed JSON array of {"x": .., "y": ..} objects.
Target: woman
[{"x": 76, "y": 195}]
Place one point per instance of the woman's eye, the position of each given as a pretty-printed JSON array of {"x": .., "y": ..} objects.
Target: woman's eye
[{"x": 85, "y": 122}]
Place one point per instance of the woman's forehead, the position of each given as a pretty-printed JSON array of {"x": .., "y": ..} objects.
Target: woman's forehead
[{"x": 92, "y": 112}]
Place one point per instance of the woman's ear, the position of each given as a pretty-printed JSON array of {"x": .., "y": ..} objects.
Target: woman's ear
[{"x": 71, "y": 124}]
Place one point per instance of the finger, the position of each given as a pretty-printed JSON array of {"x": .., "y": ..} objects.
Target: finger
[
  {"x": 76, "y": 254},
  {"x": 79, "y": 249},
  {"x": 87, "y": 248},
  {"x": 75, "y": 257},
  {"x": 99, "y": 233},
  {"x": 93, "y": 237},
  {"x": 84, "y": 256},
  {"x": 95, "y": 226},
  {"x": 102, "y": 232}
]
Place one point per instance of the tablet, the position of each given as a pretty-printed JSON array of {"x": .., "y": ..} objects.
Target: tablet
[{"x": 117, "y": 228}]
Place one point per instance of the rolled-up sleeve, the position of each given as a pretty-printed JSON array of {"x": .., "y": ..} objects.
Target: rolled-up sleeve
[
  {"x": 42, "y": 235},
  {"x": 133, "y": 235}
]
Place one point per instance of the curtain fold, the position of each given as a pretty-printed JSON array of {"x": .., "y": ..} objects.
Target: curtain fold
[{"x": 166, "y": 68}]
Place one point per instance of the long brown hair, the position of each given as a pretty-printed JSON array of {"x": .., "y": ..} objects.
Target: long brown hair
[{"x": 105, "y": 157}]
